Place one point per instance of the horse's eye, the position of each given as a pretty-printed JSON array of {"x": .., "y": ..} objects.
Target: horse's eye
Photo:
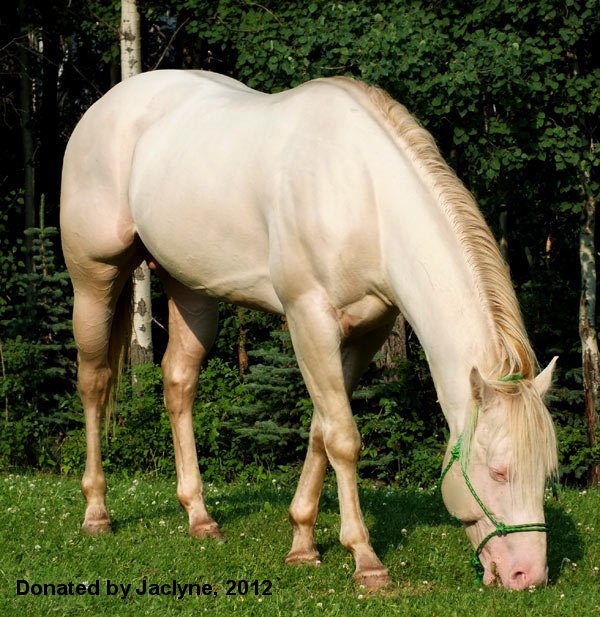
[{"x": 498, "y": 474}]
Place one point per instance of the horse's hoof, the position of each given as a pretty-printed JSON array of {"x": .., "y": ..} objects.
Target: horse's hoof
[
  {"x": 296, "y": 558},
  {"x": 374, "y": 579},
  {"x": 207, "y": 530},
  {"x": 93, "y": 528}
]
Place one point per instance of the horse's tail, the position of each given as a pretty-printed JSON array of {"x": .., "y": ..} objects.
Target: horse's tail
[{"x": 118, "y": 346}]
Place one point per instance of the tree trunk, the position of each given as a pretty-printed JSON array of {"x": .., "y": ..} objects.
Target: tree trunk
[
  {"x": 131, "y": 50},
  {"x": 243, "y": 362},
  {"x": 49, "y": 159},
  {"x": 131, "y": 64},
  {"x": 587, "y": 321},
  {"x": 394, "y": 348},
  {"x": 27, "y": 136}
]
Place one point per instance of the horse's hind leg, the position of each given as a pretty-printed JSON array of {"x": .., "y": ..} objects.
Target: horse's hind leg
[
  {"x": 356, "y": 355},
  {"x": 97, "y": 287},
  {"x": 192, "y": 329}
]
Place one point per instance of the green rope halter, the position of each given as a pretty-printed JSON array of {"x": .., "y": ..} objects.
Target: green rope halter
[{"x": 501, "y": 529}]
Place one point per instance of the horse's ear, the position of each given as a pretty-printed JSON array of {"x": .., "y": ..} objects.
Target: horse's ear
[
  {"x": 544, "y": 380},
  {"x": 480, "y": 389}
]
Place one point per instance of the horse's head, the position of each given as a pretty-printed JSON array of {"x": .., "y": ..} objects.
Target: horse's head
[{"x": 495, "y": 478}]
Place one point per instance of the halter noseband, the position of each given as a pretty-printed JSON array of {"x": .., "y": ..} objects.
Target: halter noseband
[{"x": 501, "y": 529}]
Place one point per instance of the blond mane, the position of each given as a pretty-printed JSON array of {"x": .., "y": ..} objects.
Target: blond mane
[
  {"x": 482, "y": 254},
  {"x": 529, "y": 425}
]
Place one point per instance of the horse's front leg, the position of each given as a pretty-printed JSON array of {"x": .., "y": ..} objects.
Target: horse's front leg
[
  {"x": 316, "y": 336},
  {"x": 305, "y": 505},
  {"x": 192, "y": 329}
]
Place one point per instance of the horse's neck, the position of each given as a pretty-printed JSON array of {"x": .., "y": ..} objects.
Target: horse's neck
[{"x": 435, "y": 287}]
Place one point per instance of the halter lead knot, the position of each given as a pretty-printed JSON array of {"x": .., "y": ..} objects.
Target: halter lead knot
[{"x": 502, "y": 529}]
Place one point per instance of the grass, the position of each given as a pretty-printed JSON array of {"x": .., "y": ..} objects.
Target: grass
[{"x": 426, "y": 552}]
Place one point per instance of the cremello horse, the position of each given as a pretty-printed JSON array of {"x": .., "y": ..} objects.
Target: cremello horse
[{"x": 330, "y": 204}]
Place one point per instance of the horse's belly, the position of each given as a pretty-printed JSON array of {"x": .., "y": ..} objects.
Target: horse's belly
[{"x": 217, "y": 250}]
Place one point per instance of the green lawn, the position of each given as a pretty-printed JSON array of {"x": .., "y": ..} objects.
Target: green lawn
[{"x": 426, "y": 552}]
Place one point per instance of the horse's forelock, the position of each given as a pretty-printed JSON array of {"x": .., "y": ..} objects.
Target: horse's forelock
[
  {"x": 532, "y": 439},
  {"x": 529, "y": 430}
]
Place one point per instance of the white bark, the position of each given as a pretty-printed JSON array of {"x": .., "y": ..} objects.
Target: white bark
[
  {"x": 131, "y": 64},
  {"x": 141, "y": 333},
  {"x": 131, "y": 51},
  {"x": 587, "y": 323}
]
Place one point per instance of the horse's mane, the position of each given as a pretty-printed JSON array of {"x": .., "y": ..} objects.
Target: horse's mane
[
  {"x": 492, "y": 280},
  {"x": 529, "y": 424}
]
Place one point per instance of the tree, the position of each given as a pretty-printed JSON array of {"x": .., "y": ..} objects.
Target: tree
[
  {"x": 587, "y": 320},
  {"x": 131, "y": 64},
  {"x": 509, "y": 90},
  {"x": 394, "y": 348},
  {"x": 27, "y": 138}
]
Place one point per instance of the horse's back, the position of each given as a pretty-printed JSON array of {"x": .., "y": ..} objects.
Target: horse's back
[
  {"x": 251, "y": 184},
  {"x": 227, "y": 187}
]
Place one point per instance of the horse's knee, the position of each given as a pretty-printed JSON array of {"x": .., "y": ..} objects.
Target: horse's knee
[{"x": 343, "y": 445}]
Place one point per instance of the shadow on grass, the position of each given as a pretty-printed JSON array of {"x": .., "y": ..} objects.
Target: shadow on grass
[
  {"x": 121, "y": 523},
  {"x": 392, "y": 511},
  {"x": 564, "y": 540},
  {"x": 410, "y": 509}
]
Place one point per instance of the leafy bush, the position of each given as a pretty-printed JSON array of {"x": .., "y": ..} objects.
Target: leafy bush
[
  {"x": 37, "y": 369},
  {"x": 259, "y": 424},
  {"x": 510, "y": 92}
]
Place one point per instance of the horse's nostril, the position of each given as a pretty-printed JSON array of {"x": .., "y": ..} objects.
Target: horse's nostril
[
  {"x": 522, "y": 578},
  {"x": 519, "y": 580}
]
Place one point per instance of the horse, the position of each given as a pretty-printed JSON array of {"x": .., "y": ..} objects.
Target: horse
[{"x": 329, "y": 204}]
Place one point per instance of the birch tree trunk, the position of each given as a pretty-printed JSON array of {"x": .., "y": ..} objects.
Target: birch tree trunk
[
  {"x": 587, "y": 320},
  {"x": 131, "y": 64}
]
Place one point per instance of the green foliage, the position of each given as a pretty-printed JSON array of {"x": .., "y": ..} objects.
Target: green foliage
[
  {"x": 274, "y": 415},
  {"x": 248, "y": 427},
  {"x": 403, "y": 430},
  {"x": 511, "y": 92},
  {"x": 37, "y": 384}
]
